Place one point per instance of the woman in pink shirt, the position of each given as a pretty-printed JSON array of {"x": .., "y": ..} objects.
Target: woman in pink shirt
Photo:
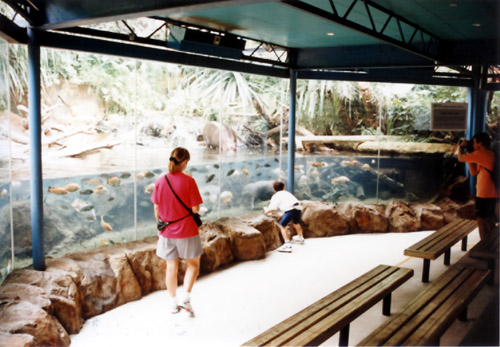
[
  {"x": 180, "y": 238},
  {"x": 481, "y": 162}
]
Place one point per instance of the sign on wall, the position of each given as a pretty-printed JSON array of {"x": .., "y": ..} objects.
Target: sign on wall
[{"x": 449, "y": 116}]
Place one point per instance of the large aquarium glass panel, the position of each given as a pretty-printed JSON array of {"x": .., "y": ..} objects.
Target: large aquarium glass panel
[
  {"x": 19, "y": 154},
  {"x": 6, "y": 250},
  {"x": 332, "y": 118},
  {"x": 353, "y": 136},
  {"x": 251, "y": 120},
  {"x": 161, "y": 127},
  {"x": 87, "y": 149}
]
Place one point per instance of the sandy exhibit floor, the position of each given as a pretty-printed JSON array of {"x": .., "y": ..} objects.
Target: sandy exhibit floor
[{"x": 237, "y": 303}]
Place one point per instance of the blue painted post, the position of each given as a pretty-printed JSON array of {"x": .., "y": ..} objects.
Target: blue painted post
[
  {"x": 477, "y": 99},
  {"x": 291, "y": 131},
  {"x": 35, "y": 124}
]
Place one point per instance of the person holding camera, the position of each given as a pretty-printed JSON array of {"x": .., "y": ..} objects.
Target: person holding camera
[
  {"x": 481, "y": 162},
  {"x": 178, "y": 235}
]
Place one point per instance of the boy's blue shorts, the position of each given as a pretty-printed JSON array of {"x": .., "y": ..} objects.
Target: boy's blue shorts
[{"x": 292, "y": 215}]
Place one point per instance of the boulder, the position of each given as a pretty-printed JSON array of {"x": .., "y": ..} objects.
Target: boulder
[
  {"x": 247, "y": 243},
  {"x": 108, "y": 279},
  {"x": 24, "y": 318},
  {"x": 401, "y": 218},
  {"x": 148, "y": 268},
  {"x": 7, "y": 339},
  {"x": 59, "y": 288},
  {"x": 467, "y": 210},
  {"x": 268, "y": 228},
  {"x": 364, "y": 218},
  {"x": 429, "y": 216},
  {"x": 449, "y": 209},
  {"x": 216, "y": 248},
  {"x": 16, "y": 292},
  {"x": 321, "y": 219}
]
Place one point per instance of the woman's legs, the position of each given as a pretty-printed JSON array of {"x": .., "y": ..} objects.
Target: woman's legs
[
  {"x": 171, "y": 276},
  {"x": 192, "y": 270}
]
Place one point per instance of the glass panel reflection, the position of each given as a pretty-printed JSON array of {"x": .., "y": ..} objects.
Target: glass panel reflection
[{"x": 6, "y": 263}]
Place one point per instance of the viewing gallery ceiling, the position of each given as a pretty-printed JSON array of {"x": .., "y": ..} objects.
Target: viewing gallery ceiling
[{"x": 397, "y": 37}]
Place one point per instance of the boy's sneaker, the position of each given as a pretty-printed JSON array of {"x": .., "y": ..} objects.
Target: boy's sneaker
[
  {"x": 186, "y": 305},
  {"x": 285, "y": 248},
  {"x": 298, "y": 239}
]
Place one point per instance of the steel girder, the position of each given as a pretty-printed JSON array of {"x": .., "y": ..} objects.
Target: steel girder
[{"x": 420, "y": 42}]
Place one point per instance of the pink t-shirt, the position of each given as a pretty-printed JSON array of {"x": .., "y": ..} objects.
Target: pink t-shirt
[{"x": 170, "y": 208}]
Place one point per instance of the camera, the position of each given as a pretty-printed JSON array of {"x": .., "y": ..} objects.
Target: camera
[{"x": 467, "y": 146}]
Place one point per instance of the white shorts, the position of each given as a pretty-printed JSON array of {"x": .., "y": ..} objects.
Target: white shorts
[{"x": 170, "y": 249}]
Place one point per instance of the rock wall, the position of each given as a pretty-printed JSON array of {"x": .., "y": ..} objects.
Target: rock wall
[{"x": 45, "y": 307}]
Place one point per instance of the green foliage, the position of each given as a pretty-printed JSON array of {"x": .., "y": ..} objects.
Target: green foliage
[{"x": 126, "y": 86}]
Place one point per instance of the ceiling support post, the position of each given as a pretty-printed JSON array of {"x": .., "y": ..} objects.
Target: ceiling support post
[
  {"x": 35, "y": 135},
  {"x": 291, "y": 130},
  {"x": 476, "y": 122}
]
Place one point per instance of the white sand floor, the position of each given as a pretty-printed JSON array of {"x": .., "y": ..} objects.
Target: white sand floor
[{"x": 237, "y": 303}]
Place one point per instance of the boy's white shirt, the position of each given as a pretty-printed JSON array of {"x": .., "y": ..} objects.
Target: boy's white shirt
[{"x": 283, "y": 201}]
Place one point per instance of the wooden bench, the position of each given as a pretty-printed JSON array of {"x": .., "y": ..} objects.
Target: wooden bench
[
  {"x": 425, "y": 319},
  {"x": 333, "y": 313},
  {"x": 439, "y": 242},
  {"x": 487, "y": 250}
]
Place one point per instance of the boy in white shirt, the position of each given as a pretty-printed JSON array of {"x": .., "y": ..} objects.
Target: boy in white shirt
[{"x": 283, "y": 200}]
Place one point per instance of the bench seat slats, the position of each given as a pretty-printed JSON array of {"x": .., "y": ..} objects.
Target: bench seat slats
[
  {"x": 282, "y": 327},
  {"x": 424, "y": 312},
  {"x": 435, "y": 244},
  {"x": 337, "y": 309},
  {"x": 437, "y": 235},
  {"x": 432, "y": 329},
  {"x": 425, "y": 318},
  {"x": 401, "y": 319},
  {"x": 336, "y": 318}
]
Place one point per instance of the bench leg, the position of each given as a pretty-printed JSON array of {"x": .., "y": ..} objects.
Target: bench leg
[
  {"x": 425, "y": 272},
  {"x": 464, "y": 244},
  {"x": 386, "y": 305},
  {"x": 344, "y": 336},
  {"x": 463, "y": 315},
  {"x": 447, "y": 255}
]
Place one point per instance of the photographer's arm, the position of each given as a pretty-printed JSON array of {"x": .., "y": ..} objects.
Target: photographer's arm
[{"x": 464, "y": 158}]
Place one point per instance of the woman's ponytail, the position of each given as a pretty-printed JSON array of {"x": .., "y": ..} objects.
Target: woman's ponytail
[{"x": 177, "y": 157}]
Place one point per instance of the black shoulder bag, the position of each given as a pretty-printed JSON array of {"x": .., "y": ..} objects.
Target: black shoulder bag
[{"x": 196, "y": 216}]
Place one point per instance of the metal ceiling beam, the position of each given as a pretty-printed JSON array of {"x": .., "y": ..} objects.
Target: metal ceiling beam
[
  {"x": 92, "y": 45},
  {"x": 59, "y": 14},
  {"x": 11, "y": 32},
  {"x": 430, "y": 46},
  {"x": 357, "y": 57},
  {"x": 399, "y": 76},
  {"x": 25, "y": 9}
]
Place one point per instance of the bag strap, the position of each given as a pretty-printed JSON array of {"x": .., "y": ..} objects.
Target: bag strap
[{"x": 182, "y": 203}]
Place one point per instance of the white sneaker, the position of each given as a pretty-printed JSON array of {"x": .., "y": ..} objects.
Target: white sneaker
[
  {"x": 285, "y": 248},
  {"x": 186, "y": 305},
  {"x": 298, "y": 239},
  {"x": 174, "y": 308}
]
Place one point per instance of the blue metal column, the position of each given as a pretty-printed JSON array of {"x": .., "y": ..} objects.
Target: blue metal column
[
  {"x": 35, "y": 124},
  {"x": 477, "y": 98},
  {"x": 291, "y": 131},
  {"x": 477, "y": 111}
]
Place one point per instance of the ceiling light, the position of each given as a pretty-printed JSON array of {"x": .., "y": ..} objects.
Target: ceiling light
[
  {"x": 453, "y": 4},
  {"x": 477, "y": 25},
  {"x": 330, "y": 34}
]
